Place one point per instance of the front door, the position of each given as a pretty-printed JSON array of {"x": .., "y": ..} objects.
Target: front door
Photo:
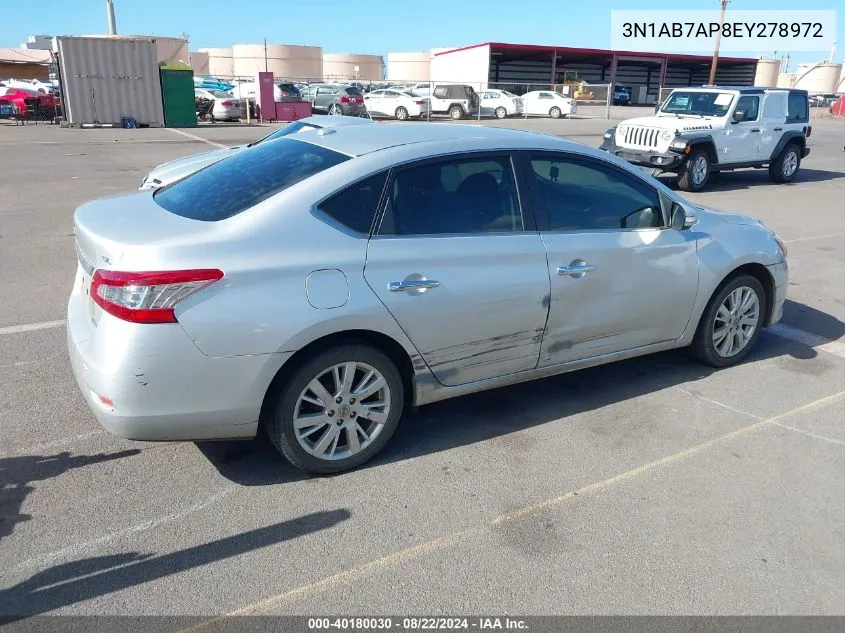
[
  {"x": 743, "y": 137},
  {"x": 459, "y": 269},
  {"x": 620, "y": 279}
]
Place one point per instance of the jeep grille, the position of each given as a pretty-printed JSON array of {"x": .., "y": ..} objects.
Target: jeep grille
[{"x": 640, "y": 136}]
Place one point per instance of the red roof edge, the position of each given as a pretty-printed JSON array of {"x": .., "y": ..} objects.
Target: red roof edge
[{"x": 596, "y": 51}]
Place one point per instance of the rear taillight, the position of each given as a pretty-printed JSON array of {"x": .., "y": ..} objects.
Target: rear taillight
[
  {"x": 419, "y": 102},
  {"x": 809, "y": 131},
  {"x": 344, "y": 99},
  {"x": 228, "y": 103},
  {"x": 148, "y": 297}
]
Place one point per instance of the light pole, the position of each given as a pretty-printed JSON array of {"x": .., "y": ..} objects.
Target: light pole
[
  {"x": 715, "y": 61},
  {"x": 110, "y": 17}
]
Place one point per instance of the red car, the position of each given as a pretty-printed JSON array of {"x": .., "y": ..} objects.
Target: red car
[{"x": 31, "y": 102}]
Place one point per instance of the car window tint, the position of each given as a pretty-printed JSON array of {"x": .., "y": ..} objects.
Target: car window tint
[
  {"x": 440, "y": 92},
  {"x": 470, "y": 195},
  {"x": 798, "y": 108},
  {"x": 355, "y": 206},
  {"x": 584, "y": 195},
  {"x": 751, "y": 105},
  {"x": 235, "y": 184}
]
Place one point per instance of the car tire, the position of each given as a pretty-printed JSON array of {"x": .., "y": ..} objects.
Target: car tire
[
  {"x": 785, "y": 167},
  {"x": 401, "y": 114},
  {"x": 695, "y": 172},
  {"x": 555, "y": 112},
  {"x": 501, "y": 112},
  {"x": 456, "y": 112},
  {"x": 708, "y": 346},
  {"x": 336, "y": 110},
  {"x": 302, "y": 445}
]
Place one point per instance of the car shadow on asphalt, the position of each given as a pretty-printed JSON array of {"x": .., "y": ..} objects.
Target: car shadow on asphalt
[
  {"x": 17, "y": 474},
  {"x": 750, "y": 178},
  {"x": 77, "y": 581},
  {"x": 482, "y": 416}
]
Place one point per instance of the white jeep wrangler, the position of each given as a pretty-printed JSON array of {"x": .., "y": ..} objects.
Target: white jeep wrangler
[{"x": 699, "y": 131}]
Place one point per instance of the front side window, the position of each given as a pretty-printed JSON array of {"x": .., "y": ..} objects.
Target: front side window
[
  {"x": 468, "y": 195},
  {"x": 579, "y": 195},
  {"x": 546, "y": 95},
  {"x": 233, "y": 185},
  {"x": 751, "y": 106},
  {"x": 355, "y": 206}
]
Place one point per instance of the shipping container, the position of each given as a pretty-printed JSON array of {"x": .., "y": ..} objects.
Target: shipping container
[{"x": 106, "y": 80}]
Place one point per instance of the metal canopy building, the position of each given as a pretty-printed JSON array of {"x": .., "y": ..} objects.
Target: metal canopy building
[{"x": 496, "y": 63}]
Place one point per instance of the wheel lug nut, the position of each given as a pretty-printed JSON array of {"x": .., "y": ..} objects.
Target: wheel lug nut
[
  {"x": 331, "y": 414},
  {"x": 351, "y": 400},
  {"x": 338, "y": 400}
]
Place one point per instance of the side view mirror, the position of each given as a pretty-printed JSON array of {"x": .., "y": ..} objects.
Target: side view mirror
[
  {"x": 739, "y": 116},
  {"x": 681, "y": 218}
]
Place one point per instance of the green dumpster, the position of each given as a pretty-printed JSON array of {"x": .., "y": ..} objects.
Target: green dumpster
[{"x": 177, "y": 94}]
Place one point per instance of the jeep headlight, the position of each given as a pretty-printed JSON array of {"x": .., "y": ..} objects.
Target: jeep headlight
[{"x": 679, "y": 144}]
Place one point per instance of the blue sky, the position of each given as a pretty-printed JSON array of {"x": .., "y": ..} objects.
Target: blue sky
[{"x": 364, "y": 26}]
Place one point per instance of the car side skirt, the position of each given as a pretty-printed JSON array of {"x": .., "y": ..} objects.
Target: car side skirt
[{"x": 427, "y": 389}]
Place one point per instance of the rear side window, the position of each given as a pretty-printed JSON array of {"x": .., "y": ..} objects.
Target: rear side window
[
  {"x": 355, "y": 206},
  {"x": 798, "y": 110},
  {"x": 235, "y": 184}
]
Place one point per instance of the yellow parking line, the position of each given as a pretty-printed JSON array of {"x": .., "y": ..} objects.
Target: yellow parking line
[{"x": 442, "y": 542}]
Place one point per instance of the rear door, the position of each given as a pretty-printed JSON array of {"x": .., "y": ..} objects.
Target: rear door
[
  {"x": 771, "y": 123},
  {"x": 620, "y": 278},
  {"x": 460, "y": 267}
]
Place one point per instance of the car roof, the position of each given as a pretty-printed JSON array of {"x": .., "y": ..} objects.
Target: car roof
[{"x": 358, "y": 140}]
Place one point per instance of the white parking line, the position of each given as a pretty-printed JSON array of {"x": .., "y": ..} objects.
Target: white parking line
[
  {"x": 29, "y": 327},
  {"x": 809, "y": 339},
  {"x": 197, "y": 138},
  {"x": 814, "y": 237},
  {"x": 813, "y": 435}
]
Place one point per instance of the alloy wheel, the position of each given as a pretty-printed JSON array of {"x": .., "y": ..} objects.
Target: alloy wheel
[
  {"x": 699, "y": 170},
  {"x": 790, "y": 164},
  {"x": 736, "y": 321},
  {"x": 342, "y": 411}
]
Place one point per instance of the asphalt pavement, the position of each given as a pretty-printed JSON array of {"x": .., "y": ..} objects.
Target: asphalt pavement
[{"x": 650, "y": 486}]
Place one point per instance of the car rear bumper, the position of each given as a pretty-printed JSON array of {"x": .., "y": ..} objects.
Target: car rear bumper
[
  {"x": 233, "y": 112},
  {"x": 161, "y": 387},
  {"x": 353, "y": 109}
]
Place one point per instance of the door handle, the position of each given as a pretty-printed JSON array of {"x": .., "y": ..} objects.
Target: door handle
[
  {"x": 756, "y": 129},
  {"x": 778, "y": 129},
  {"x": 412, "y": 284},
  {"x": 575, "y": 270}
]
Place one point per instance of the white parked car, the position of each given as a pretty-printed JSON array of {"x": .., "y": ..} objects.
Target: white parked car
[
  {"x": 395, "y": 104},
  {"x": 548, "y": 103},
  {"x": 423, "y": 88},
  {"x": 500, "y": 104},
  {"x": 226, "y": 107},
  {"x": 44, "y": 87}
]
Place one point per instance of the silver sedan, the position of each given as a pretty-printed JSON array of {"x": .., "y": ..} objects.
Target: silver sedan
[{"x": 320, "y": 283}]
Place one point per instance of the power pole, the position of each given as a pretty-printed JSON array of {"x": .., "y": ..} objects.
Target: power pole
[
  {"x": 715, "y": 61},
  {"x": 265, "y": 55}
]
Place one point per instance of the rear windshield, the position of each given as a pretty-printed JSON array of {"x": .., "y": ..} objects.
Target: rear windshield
[
  {"x": 352, "y": 91},
  {"x": 233, "y": 185}
]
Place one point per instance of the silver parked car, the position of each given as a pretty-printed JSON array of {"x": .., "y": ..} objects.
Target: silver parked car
[
  {"x": 319, "y": 283},
  {"x": 177, "y": 169}
]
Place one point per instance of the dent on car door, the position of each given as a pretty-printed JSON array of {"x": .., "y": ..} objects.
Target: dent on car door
[
  {"x": 620, "y": 278},
  {"x": 460, "y": 268}
]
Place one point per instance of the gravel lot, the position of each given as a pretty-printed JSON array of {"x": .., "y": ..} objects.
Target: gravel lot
[{"x": 654, "y": 485}]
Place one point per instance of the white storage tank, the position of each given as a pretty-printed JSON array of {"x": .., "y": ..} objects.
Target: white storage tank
[
  {"x": 343, "y": 65},
  {"x": 786, "y": 80},
  {"x": 284, "y": 61},
  {"x": 410, "y": 67},
  {"x": 818, "y": 78},
  {"x": 767, "y": 72},
  {"x": 199, "y": 63},
  {"x": 220, "y": 62}
]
